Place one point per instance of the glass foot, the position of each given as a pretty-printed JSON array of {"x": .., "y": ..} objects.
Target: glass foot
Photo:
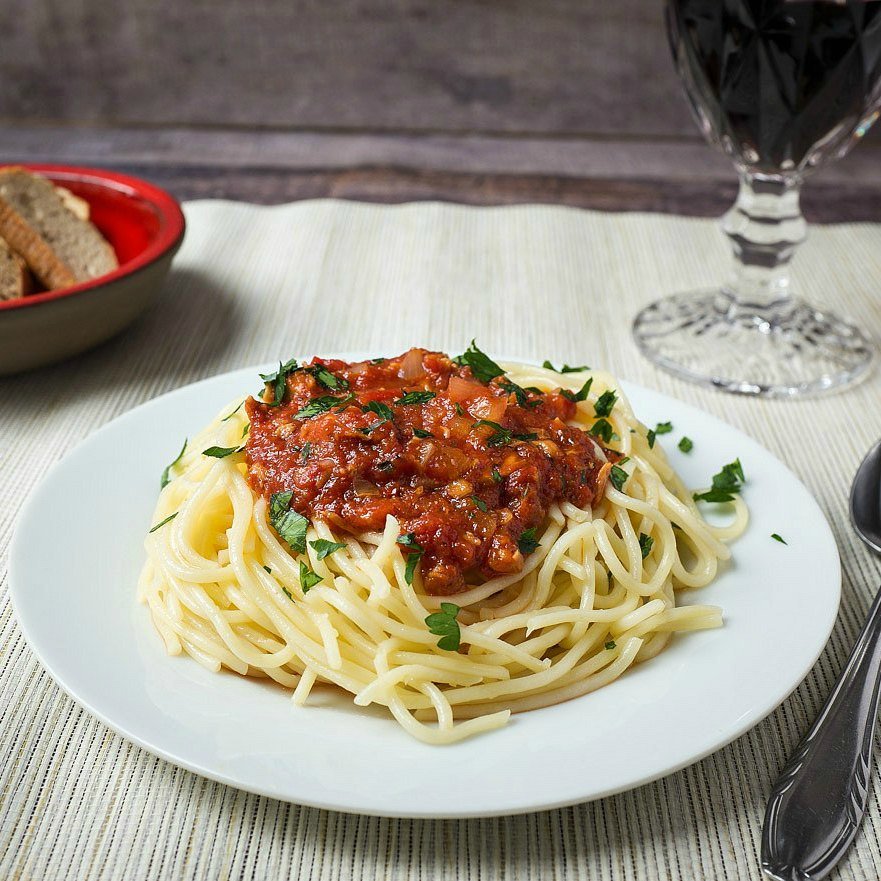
[{"x": 783, "y": 350}]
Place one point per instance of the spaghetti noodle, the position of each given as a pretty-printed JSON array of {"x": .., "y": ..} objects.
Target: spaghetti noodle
[{"x": 596, "y": 595}]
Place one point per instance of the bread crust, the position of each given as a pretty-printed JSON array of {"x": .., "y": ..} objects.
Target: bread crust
[{"x": 39, "y": 256}]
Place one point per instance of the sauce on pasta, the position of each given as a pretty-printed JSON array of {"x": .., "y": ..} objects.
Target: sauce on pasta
[{"x": 465, "y": 465}]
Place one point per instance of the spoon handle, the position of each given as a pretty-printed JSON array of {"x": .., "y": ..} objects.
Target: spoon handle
[{"x": 819, "y": 800}]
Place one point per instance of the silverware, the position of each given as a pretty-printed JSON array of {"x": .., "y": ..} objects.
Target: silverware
[{"x": 819, "y": 800}]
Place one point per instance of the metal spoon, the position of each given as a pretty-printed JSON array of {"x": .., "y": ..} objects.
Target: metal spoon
[{"x": 819, "y": 801}]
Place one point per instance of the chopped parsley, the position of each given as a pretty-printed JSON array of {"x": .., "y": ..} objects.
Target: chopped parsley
[
  {"x": 421, "y": 432},
  {"x": 408, "y": 540},
  {"x": 445, "y": 625},
  {"x": 618, "y": 476},
  {"x": 377, "y": 360},
  {"x": 686, "y": 444},
  {"x": 480, "y": 503},
  {"x": 565, "y": 368},
  {"x": 162, "y": 523},
  {"x": 287, "y": 593},
  {"x": 527, "y": 541},
  {"x": 382, "y": 410},
  {"x": 645, "y": 544},
  {"x": 324, "y": 548},
  {"x": 385, "y": 466},
  {"x": 317, "y": 406},
  {"x": 278, "y": 381},
  {"x": 268, "y": 569},
  {"x": 518, "y": 391},
  {"x": 327, "y": 379},
  {"x": 610, "y": 644},
  {"x": 580, "y": 395},
  {"x": 459, "y": 409},
  {"x": 230, "y": 416},
  {"x": 664, "y": 428},
  {"x": 305, "y": 450},
  {"x": 482, "y": 366},
  {"x": 221, "y": 452},
  {"x": 501, "y": 435},
  {"x": 779, "y": 538},
  {"x": 602, "y": 429},
  {"x": 166, "y": 474},
  {"x": 308, "y": 578},
  {"x": 415, "y": 398},
  {"x": 725, "y": 484},
  {"x": 290, "y": 526},
  {"x": 605, "y": 403},
  {"x": 496, "y": 475},
  {"x": 650, "y": 437}
]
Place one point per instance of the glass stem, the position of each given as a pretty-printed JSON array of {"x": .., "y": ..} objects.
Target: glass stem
[{"x": 765, "y": 225}]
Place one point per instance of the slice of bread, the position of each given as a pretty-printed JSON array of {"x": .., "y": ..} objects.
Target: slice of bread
[
  {"x": 15, "y": 278},
  {"x": 61, "y": 248}
]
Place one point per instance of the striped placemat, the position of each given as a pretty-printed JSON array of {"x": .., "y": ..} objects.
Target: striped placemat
[{"x": 251, "y": 283}]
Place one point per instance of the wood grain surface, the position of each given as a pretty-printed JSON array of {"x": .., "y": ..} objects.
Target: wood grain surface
[{"x": 480, "y": 101}]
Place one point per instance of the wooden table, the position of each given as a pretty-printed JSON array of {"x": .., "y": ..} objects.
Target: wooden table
[{"x": 679, "y": 175}]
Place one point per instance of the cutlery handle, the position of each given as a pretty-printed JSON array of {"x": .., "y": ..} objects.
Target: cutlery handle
[{"x": 819, "y": 800}]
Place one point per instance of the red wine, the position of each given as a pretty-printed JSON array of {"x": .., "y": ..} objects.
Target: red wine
[{"x": 779, "y": 84}]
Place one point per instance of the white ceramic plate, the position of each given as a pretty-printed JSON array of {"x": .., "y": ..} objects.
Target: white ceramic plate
[{"x": 78, "y": 549}]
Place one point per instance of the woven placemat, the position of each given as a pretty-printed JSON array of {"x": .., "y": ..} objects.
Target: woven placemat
[{"x": 251, "y": 284}]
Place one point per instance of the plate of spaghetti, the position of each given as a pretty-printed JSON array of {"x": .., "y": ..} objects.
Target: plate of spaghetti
[{"x": 359, "y": 571}]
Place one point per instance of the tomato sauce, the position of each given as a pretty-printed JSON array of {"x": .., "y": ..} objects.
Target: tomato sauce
[{"x": 466, "y": 466}]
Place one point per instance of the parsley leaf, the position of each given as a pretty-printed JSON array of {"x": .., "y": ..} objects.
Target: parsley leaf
[
  {"x": 230, "y": 416},
  {"x": 480, "y": 503},
  {"x": 408, "y": 540},
  {"x": 610, "y": 644},
  {"x": 278, "y": 381},
  {"x": 565, "y": 368},
  {"x": 415, "y": 398},
  {"x": 287, "y": 593},
  {"x": 602, "y": 429},
  {"x": 166, "y": 474},
  {"x": 382, "y": 410},
  {"x": 500, "y": 434},
  {"x": 221, "y": 452},
  {"x": 290, "y": 526},
  {"x": 324, "y": 548},
  {"x": 305, "y": 450},
  {"x": 308, "y": 578},
  {"x": 496, "y": 475},
  {"x": 445, "y": 625},
  {"x": 725, "y": 484},
  {"x": 268, "y": 569},
  {"x": 518, "y": 391},
  {"x": 650, "y": 437},
  {"x": 385, "y": 466},
  {"x": 162, "y": 523},
  {"x": 779, "y": 538},
  {"x": 580, "y": 395},
  {"x": 527, "y": 541},
  {"x": 645, "y": 544},
  {"x": 618, "y": 476},
  {"x": 482, "y": 366},
  {"x": 317, "y": 406},
  {"x": 421, "y": 432},
  {"x": 327, "y": 379},
  {"x": 664, "y": 428},
  {"x": 605, "y": 403},
  {"x": 686, "y": 444}
]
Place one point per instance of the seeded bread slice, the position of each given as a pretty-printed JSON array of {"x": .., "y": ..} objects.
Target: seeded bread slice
[
  {"x": 15, "y": 278},
  {"x": 61, "y": 248}
]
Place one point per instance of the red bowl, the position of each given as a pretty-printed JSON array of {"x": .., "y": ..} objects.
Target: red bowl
[{"x": 145, "y": 226}]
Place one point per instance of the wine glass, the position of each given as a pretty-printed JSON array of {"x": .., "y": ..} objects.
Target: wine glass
[{"x": 780, "y": 86}]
